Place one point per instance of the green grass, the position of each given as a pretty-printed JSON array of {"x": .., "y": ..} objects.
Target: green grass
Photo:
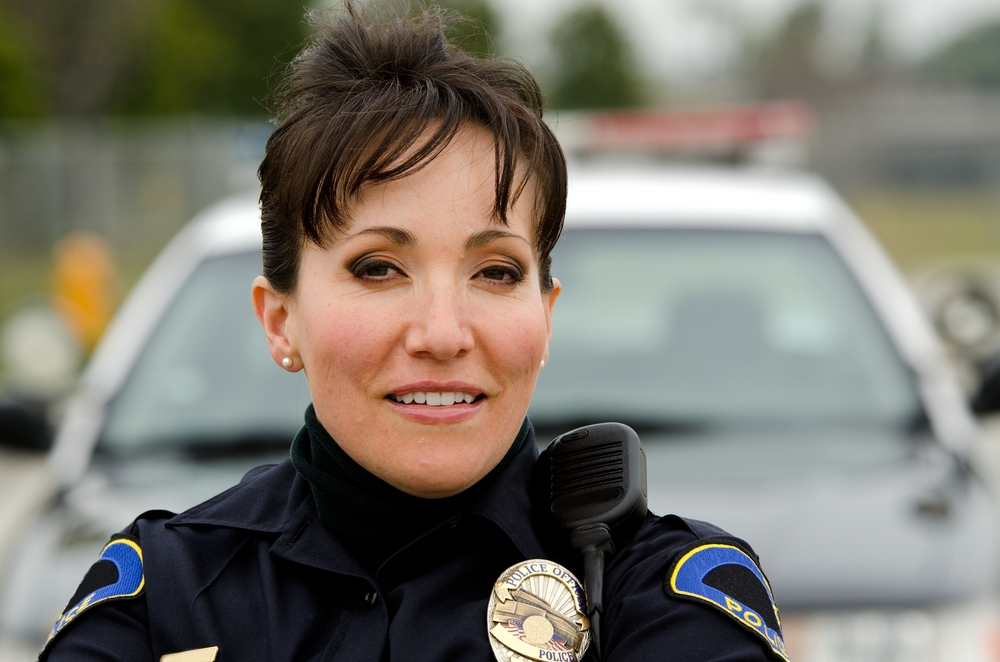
[
  {"x": 22, "y": 275},
  {"x": 921, "y": 228}
]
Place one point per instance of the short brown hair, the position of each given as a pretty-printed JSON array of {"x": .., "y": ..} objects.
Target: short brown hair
[{"x": 350, "y": 111}]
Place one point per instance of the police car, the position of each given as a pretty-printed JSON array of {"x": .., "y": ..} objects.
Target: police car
[{"x": 781, "y": 376}]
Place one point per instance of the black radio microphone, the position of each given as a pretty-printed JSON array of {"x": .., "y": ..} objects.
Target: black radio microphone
[{"x": 597, "y": 490}]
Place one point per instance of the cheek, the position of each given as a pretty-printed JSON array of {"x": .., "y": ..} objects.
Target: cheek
[
  {"x": 516, "y": 339},
  {"x": 345, "y": 345}
]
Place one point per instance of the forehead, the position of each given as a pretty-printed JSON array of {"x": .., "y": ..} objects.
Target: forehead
[
  {"x": 463, "y": 172},
  {"x": 455, "y": 188}
]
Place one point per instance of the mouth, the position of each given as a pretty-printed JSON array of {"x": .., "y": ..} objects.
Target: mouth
[{"x": 435, "y": 398}]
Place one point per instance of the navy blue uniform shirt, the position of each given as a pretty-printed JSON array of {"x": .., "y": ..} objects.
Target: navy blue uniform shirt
[{"x": 253, "y": 572}]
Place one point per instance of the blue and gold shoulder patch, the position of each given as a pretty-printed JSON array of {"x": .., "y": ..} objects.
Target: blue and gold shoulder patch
[
  {"x": 726, "y": 577},
  {"x": 117, "y": 575}
]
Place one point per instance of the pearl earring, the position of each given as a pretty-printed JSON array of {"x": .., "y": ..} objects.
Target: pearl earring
[
  {"x": 543, "y": 364},
  {"x": 286, "y": 363}
]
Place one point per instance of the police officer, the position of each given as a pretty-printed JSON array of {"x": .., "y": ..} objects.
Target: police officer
[{"x": 411, "y": 196}]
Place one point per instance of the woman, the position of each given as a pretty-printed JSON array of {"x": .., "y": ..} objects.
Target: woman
[{"x": 411, "y": 196}]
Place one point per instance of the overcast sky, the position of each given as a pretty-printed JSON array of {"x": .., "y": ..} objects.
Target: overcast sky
[{"x": 690, "y": 38}]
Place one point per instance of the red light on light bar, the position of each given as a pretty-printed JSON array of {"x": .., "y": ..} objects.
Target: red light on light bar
[{"x": 702, "y": 128}]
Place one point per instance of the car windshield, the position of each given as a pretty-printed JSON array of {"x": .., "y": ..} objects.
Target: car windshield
[
  {"x": 684, "y": 329},
  {"x": 205, "y": 381}
]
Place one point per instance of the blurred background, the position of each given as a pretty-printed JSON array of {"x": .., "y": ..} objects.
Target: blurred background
[{"x": 121, "y": 119}]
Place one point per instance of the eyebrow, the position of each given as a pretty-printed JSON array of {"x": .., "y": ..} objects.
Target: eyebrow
[
  {"x": 483, "y": 238},
  {"x": 401, "y": 237},
  {"x": 397, "y": 236}
]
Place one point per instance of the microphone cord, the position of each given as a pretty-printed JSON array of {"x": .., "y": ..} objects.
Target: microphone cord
[{"x": 594, "y": 542}]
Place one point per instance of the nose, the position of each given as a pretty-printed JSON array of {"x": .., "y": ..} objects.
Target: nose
[{"x": 440, "y": 327}]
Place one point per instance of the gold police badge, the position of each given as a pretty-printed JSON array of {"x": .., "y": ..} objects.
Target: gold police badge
[{"x": 538, "y": 611}]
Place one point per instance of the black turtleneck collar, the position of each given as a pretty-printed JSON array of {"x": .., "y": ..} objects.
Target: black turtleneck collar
[{"x": 363, "y": 507}]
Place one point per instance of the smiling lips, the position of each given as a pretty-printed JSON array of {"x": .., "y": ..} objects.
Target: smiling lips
[{"x": 433, "y": 399}]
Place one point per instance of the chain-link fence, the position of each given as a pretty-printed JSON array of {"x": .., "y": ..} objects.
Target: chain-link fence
[{"x": 134, "y": 182}]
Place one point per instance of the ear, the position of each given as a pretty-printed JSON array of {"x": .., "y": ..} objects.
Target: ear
[
  {"x": 272, "y": 310},
  {"x": 550, "y": 302}
]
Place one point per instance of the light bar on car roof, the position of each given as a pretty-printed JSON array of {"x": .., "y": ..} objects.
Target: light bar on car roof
[{"x": 669, "y": 130}]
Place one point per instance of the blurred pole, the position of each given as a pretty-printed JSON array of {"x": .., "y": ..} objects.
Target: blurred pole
[{"x": 83, "y": 285}]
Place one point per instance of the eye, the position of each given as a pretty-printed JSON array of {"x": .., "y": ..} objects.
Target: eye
[
  {"x": 374, "y": 270},
  {"x": 503, "y": 274}
]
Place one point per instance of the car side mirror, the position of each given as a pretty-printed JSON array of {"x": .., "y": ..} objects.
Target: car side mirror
[{"x": 24, "y": 426}]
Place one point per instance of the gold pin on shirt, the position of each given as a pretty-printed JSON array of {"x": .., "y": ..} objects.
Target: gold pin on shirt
[
  {"x": 196, "y": 655},
  {"x": 538, "y": 611}
]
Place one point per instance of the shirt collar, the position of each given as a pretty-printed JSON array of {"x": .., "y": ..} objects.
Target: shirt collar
[{"x": 278, "y": 501}]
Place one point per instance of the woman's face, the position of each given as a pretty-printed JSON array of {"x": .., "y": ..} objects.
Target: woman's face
[{"x": 422, "y": 326}]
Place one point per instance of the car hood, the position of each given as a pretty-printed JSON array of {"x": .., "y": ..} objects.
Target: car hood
[
  {"x": 907, "y": 526},
  {"x": 114, "y": 493}
]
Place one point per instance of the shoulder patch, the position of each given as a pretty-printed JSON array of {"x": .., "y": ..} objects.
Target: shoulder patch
[
  {"x": 117, "y": 575},
  {"x": 724, "y": 576}
]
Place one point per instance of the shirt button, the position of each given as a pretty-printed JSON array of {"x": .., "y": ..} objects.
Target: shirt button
[{"x": 371, "y": 598}]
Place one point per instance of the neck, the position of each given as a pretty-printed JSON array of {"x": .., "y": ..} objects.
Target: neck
[{"x": 354, "y": 502}]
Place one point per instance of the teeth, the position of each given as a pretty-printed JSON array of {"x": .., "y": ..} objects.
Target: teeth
[{"x": 434, "y": 399}]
